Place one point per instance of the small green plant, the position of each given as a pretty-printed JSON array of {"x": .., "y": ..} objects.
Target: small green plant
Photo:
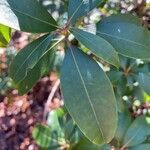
[
  {"x": 5, "y": 81},
  {"x": 61, "y": 133},
  {"x": 5, "y": 33},
  {"x": 91, "y": 96}
]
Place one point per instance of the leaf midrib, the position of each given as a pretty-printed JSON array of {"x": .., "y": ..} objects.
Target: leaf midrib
[
  {"x": 43, "y": 56},
  {"x": 117, "y": 37},
  {"x": 109, "y": 56},
  {"x": 34, "y": 50},
  {"x": 33, "y": 17},
  {"x": 126, "y": 144},
  {"x": 75, "y": 11},
  {"x": 92, "y": 107}
]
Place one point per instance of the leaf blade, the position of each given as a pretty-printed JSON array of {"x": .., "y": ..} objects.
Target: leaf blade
[
  {"x": 141, "y": 147},
  {"x": 124, "y": 121},
  {"x": 80, "y": 8},
  {"x": 42, "y": 134},
  {"x": 74, "y": 61},
  {"x": 132, "y": 137},
  {"x": 43, "y": 66},
  {"x": 28, "y": 57},
  {"x": 135, "y": 43},
  {"x": 126, "y": 18},
  {"x": 98, "y": 46},
  {"x": 4, "y": 35},
  {"x": 144, "y": 81},
  {"x": 28, "y": 16}
]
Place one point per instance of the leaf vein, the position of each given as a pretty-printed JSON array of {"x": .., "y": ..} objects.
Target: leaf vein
[
  {"x": 33, "y": 17},
  {"x": 109, "y": 56},
  {"x": 121, "y": 38},
  {"x": 83, "y": 82}
]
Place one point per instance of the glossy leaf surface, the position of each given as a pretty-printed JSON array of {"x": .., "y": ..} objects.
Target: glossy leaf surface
[
  {"x": 27, "y": 58},
  {"x": 26, "y": 15},
  {"x": 79, "y": 8},
  {"x": 41, "y": 68},
  {"x": 89, "y": 96},
  {"x": 137, "y": 132},
  {"x": 127, "y": 37},
  {"x": 99, "y": 46}
]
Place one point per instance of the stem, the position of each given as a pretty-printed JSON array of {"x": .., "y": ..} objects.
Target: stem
[
  {"x": 122, "y": 148},
  {"x": 49, "y": 100}
]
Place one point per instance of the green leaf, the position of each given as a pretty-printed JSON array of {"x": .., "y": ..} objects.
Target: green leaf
[
  {"x": 138, "y": 93},
  {"x": 79, "y": 8},
  {"x": 123, "y": 18},
  {"x": 59, "y": 57},
  {"x": 69, "y": 129},
  {"x": 27, "y": 58},
  {"x": 53, "y": 122},
  {"x": 121, "y": 107},
  {"x": 127, "y": 37},
  {"x": 85, "y": 144},
  {"x": 98, "y": 46},
  {"x": 141, "y": 147},
  {"x": 115, "y": 76},
  {"x": 61, "y": 112},
  {"x": 4, "y": 35},
  {"x": 44, "y": 65},
  {"x": 42, "y": 135},
  {"x": 144, "y": 81},
  {"x": 27, "y": 15},
  {"x": 137, "y": 132},
  {"x": 89, "y": 96},
  {"x": 124, "y": 121}
]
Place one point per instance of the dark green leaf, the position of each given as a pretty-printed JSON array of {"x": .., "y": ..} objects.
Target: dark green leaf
[
  {"x": 85, "y": 144},
  {"x": 124, "y": 121},
  {"x": 127, "y": 37},
  {"x": 29, "y": 57},
  {"x": 123, "y": 18},
  {"x": 44, "y": 65},
  {"x": 120, "y": 103},
  {"x": 137, "y": 132},
  {"x": 98, "y": 46},
  {"x": 79, "y": 8},
  {"x": 144, "y": 68},
  {"x": 121, "y": 85},
  {"x": 89, "y": 96},
  {"x": 26, "y": 15},
  {"x": 144, "y": 81},
  {"x": 141, "y": 147},
  {"x": 4, "y": 35},
  {"x": 69, "y": 129},
  {"x": 115, "y": 76},
  {"x": 138, "y": 93}
]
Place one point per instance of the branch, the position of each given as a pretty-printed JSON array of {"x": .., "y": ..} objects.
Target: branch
[{"x": 49, "y": 100}]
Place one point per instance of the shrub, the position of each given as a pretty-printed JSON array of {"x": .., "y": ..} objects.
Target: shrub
[{"x": 91, "y": 96}]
